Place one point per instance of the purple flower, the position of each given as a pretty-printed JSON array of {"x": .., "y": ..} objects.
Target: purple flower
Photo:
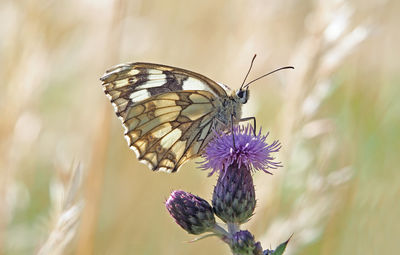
[
  {"x": 242, "y": 147},
  {"x": 192, "y": 213}
]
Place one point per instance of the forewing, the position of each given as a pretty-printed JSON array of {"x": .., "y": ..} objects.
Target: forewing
[
  {"x": 168, "y": 129},
  {"x": 127, "y": 84}
]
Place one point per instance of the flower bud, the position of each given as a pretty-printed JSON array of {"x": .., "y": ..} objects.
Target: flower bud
[
  {"x": 243, "y": 243},
  {"x": 192, "y": 213},
  {"x": 234, "y": 196}
]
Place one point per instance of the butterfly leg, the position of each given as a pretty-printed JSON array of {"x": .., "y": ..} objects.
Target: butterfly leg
[
  {"x": 254, "y": 122},
  {"x": 233, "y": 134}
]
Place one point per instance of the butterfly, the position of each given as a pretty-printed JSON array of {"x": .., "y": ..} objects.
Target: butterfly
[{"x": 169, "y": 113}]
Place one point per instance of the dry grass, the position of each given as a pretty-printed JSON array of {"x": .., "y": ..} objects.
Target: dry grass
[{"x": 337, "y": 115}]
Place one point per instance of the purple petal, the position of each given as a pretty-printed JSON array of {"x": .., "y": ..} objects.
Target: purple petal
[{"x": 251, "y": 150}]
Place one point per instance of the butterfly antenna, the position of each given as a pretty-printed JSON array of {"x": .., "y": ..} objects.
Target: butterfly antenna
[
  {"x": 251, "y": 65},
  {"x": 262, "y": 76}
]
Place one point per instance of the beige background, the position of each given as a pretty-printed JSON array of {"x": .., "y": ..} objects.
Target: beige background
[{"x": 336, "y": 114}]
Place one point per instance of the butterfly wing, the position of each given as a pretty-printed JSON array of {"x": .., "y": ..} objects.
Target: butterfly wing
[
  {"x": 168, "y": 129},
  {"x": 127, "y": 84},
  {"x": 168, "y": 113}
]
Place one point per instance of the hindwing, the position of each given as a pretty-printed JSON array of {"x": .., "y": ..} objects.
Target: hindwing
[{"x": 168, "y": 129}]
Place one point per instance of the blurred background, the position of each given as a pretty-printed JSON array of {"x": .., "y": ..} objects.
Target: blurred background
[{"x": 70, "y": 185}]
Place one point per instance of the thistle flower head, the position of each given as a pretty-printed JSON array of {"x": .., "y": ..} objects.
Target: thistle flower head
[
  {"x": 234, "y": 197},
  {"x": 192, "y": 213},
  {"x": 241, "y": 147}
]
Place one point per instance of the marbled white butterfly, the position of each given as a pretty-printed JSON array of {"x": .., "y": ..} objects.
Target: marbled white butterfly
[{"x": 169, "y": 113}]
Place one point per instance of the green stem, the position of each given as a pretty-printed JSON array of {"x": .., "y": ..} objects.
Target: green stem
[{"x": 233, "y": 227}]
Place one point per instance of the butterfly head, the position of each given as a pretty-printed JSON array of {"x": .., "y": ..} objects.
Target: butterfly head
[{"x": 242, "y": 95}]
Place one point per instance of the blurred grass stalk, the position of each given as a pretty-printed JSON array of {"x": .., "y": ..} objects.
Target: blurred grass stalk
[
  {"x": 86, "y": 235},
  {"x": 331, "y": 38},
  {"x": 67, "y": 205}
]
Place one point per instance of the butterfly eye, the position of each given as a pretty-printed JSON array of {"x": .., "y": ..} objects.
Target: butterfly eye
[{"x": 243, "y": 96}]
